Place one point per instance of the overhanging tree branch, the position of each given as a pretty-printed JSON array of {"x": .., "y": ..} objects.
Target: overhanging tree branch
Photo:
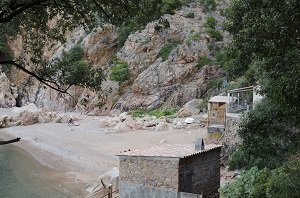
[
  {"x": 18, "y": 10},
  {"x": 42, "y": 80}
]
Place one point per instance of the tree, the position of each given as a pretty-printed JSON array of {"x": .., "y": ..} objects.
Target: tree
[
  {"x": 266, "y": 48},
  {"x": 30, "y": 20}
]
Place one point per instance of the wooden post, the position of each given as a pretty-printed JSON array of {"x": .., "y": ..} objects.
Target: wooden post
[{"x": 110, "y": 191}]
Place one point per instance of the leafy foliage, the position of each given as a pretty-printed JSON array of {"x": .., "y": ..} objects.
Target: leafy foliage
[
  {"x": 265, "y": 49},
  {"x": 266, "y": 37},
  {"x": 211, "y": 22},
  {"x": 190, "y": 15},
  {"x": 119, "y": 71},
  {"x": 156, "y": 112},
  {"x": 202, "y": 61},
  {"x": 166, "y": 50},
  {"x": 215, "y": 34},
  {"x": 193, "y": 37},
  {"x": 208, "y": 5},
  {"x": 71, "y": 69},
  {"x": 270, "y": 134},
  {"x": 280, "y": 182},
  {"x": 215, "y": 84}
]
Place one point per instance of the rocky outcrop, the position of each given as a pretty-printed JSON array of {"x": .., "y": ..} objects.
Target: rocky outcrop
[
  {"x": 176, "y": 80},
  {"x": 7, "y": 99},
  {"x": 100, "y": 45},
  {"x": 154, "y": 81}
]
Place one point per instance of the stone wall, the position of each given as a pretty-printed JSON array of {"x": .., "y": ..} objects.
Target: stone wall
[
  {"x": 205, "y": 168},
  {"x": 164, "y": 176},
  {"x": 231, "y": 138},
  {"x": 150, "y": 172}
]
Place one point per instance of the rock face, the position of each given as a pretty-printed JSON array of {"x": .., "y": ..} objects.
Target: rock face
[
  {"x": 7, "y": 99},
  {"x": 176, "y": 80},
  {"x": 154, "y": 81}
]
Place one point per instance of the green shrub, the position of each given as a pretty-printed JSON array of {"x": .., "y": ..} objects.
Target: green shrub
[
  {"x": 119, "y": 71},
  {"x": 237, "y": 160},
  {"x": 208, "y": 5},
  {"x": 283, "y": 181},
  {"x": 156, "y": 112},
  {"x": 216, "y": 83},
  {"x": 202, "y": 61},
  {"x": 193, "y": 37},
  {"x": 269, "y": 133},
  {"x": 211, "y": 23},
  {"x": 123, "y": 33},
  {"x": 214, "y": 34},
  {"x": 166, "y": 50},
  {"x": 190, "y": 15},
  {"x": 169, "y": 6}
]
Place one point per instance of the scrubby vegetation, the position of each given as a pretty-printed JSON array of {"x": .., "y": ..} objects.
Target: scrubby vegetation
[
  {"x": 166, "y": 49},
  {"x": 119, "y": 71},
  {"x": 269, "y": 183},
  {"x": 190, "y": 15},
  {"x": 193, "y": 37},
  {"x": 215, "y": 34},
  {"x": 211, "y": 23},
  {"x": 71, "y": 69},
  {"x": 146, "y": 11},
  {"x": 156, "y": 112},
  {"x": 202, "y": 61},
  {"x": 208, "y": 5}
]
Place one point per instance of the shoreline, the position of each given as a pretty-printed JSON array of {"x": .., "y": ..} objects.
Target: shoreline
[
  {"x": 85, "y": 152},
  {"x": 49, "y": 168}
]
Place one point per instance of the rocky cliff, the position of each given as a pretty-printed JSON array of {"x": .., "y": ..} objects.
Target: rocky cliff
[{"x": 154, "y": 80}]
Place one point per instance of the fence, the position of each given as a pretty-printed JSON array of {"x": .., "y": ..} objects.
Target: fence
[{"x": 104, "y": 193}]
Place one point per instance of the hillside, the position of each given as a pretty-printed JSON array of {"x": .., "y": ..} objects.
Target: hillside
[{"x": 169, "y": 62}]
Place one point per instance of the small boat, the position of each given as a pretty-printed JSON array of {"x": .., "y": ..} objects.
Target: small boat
[{"x": 10, "y": 141}]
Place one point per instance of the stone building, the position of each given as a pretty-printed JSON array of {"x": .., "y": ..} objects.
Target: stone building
[{"x": 170, "y": 171}]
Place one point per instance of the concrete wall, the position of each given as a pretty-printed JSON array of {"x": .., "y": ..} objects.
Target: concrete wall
[{"x": 205, "y": 173}]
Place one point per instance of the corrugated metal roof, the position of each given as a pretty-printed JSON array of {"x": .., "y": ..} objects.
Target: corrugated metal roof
[
  {"x": 223, "y": 99},
  {"x": 169, "y": 150},
  {"x": 242, "y": 89}
]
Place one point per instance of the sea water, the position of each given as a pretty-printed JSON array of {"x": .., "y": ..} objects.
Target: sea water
[{"x": 20, "y": 176}]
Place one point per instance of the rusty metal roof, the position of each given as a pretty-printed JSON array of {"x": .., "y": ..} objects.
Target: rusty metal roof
[{"x": 169, "y": 150}]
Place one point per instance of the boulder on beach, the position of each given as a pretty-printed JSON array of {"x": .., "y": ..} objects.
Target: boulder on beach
[
  {"x": 27, "y": 118},
  {"x": 163, "y": 126},
  {"x": 190, "y": 108}
]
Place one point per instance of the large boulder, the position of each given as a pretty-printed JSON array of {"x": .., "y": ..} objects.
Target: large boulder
[
  {"x": 190, "y": 108},
  {"x": 163, "y": 126},
  {"x": 6, "y": 121},
  {"x": 27, "y": 118}
]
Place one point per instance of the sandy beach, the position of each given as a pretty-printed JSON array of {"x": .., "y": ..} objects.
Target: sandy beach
[{"x": 85, "y": 152}]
